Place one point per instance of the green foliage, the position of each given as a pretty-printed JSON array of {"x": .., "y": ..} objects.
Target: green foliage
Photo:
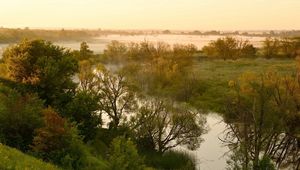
[
  {"x": 124, "y": 155},
  {"x": 83, "y": 110},
  {"x": 12, "y": 159},
  {"x": 20, "y": 115},
  {"x": 266, "y": 164},
  {"x": 8, "y": 35},
  {"x": 117, "y": 52},
  {"x": 166, "y": 126},
  {"x": 171, "y": 160},
  {"x": 229, "y": 48},
  {"x": 281, "y": 48},
  {"x": 116, "y": 97},
  {"x": 59, "y": 142},
  {"x": 84, "y": 53},
  {"x": 271, "y": 48},
  {"x": 258, "y": 112},
  {"x": 46, "y": 67}
]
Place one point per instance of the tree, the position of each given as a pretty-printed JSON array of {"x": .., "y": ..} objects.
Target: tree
[
  {"x": 20, "y": 115},
  {"x": 261, "y": 114},
  {"x": 115, "y": 52},
  {"x": 84, "y": 53},
  {"x": 47, "y": 68},
  {"x": 83, "y": 109},
  {"x": 165, "y": 127},
  {"x": 229, "y": 48},
  {"x": 289, "y": 47},
  {"x": 116, "y": 97},
  {"x": 58, "y": 142},
  {"x": 270, "y": 48},
  {"x": 124, "y": 155}
]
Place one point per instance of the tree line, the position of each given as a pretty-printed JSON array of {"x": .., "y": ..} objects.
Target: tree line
[{"x": 232, "y": 48}]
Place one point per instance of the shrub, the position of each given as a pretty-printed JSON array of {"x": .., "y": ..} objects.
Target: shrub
[
  {"x": 124, "y": 155},
  {"x": 20, "y": 115}
]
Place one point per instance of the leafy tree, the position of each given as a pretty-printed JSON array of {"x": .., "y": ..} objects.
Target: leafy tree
[
  {"x": 289, "y": 47},
  {"x": 115, "y": 51},
  {"x": 116, "y": 97},
  {"x": 165, "y": 127},
  {"x": 271, "y": 48},
  {"x": 46, "y": 67},
  {"x": 58, "y": 141},
  {"x": 3, "y": 70},
  {"x": 83, "y": 109},
  {"x": 124, "y": 155},
  {"x": 20, "y": 115},
  {"x": 261, "y": 114},
  {"x": 84, "y": 53},
  {"x": 86, "y": 76},
  {"x": 229, "y": 48}
]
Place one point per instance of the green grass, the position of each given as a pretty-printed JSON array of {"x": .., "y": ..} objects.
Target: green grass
[
  {"x": 12, "y": 159},
  {"x": 215, "y": 74}
]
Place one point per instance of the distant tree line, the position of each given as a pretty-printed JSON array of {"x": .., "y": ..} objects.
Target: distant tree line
[{"x": 233, "y": 48}]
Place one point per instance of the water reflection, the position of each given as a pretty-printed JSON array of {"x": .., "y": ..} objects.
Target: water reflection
[{"x": 210, "y": 155}]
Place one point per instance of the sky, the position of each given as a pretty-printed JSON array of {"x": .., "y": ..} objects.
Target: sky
[{"x": 152, "y": 14}]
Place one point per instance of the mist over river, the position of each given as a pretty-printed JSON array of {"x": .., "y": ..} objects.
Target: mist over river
[{"x": 99, "y": 43}]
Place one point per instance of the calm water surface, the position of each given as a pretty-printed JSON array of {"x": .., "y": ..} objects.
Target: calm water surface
[{"x": 210, "y": 155}]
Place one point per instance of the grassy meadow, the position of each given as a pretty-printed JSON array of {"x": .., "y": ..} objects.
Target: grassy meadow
[{"x": 215, "y": 75}]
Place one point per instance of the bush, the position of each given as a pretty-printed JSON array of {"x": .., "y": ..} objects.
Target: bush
[
  {"x": 171, "y": 160},
  {"x": 59, "y": 142},
  {"x": 20, "y": 115},
  {"x": 124, "y": 155}
]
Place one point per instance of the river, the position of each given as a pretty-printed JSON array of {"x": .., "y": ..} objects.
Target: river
[{"x": 210, "y": 155}]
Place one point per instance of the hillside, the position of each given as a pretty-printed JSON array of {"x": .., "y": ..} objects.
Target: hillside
[{"x": 12, "y": 159}]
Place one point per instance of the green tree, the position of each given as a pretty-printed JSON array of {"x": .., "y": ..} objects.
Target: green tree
[
  {"x": 271, "y": 47},
  {"x": 116, "y": 97},
  {"x": 124, "y": 155},
  {"x": 229, "y": 48},
  {"x": 58, "y": 142},
  {"x": 47, "y": 68},
  {"x": 20, "y": 115},
  {"x": 261, "y": 114},
  {"x": 165, "y": 127},
  {"x": 115, "y": 52},
  {"x": 83, "y": 109},
  {"x": 84, "y": 53}
]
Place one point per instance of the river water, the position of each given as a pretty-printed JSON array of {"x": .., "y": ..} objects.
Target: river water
[{"x": 211, "y": 154}]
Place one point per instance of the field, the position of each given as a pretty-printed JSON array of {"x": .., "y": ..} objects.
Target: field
[{"x": 215, "y": 74}]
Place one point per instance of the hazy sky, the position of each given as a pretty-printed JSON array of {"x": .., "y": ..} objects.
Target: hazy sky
[{"x": 152, "y": 14}]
